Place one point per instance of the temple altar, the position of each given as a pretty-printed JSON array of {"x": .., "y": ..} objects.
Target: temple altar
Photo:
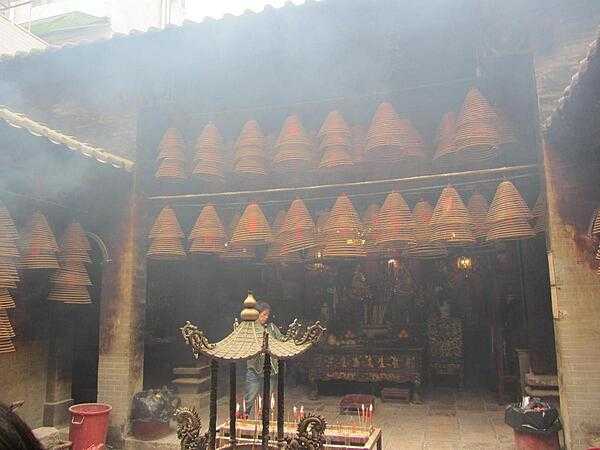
[{"x": 368, "y": 364}]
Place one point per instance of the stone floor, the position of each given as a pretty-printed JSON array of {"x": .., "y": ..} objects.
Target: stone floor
[{"x": 447, "y": 419}]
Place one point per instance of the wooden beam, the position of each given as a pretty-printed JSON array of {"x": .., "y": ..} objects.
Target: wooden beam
[{"x": 408, "y": 184}]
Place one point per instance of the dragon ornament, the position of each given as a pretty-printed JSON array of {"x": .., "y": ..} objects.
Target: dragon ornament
[
  {"x": 195, "y": 338},
  {"x": 189, "y": 428},
  {"x": 312, "y": 334},
  {"x": 292, "y": 331},
  {"x": 311, "y": 434}
]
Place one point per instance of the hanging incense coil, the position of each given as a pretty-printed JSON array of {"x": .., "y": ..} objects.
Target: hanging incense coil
[
  {"x": 71, "y": 273},
  {"x": 6, "y": 300},
  {"x": 316, "y": 253},
  {"x": 72, "y": 295},
  {"x": 507, "y": 204},
  {"x": 509, "y": 215},
  {"x": 369, "y": 220},
  {"x": 478, "y": 209},
  {"x": 70, "y": 284},
  {"x": 411, "y": 143},
  {"x": 477, "y": 136},
  {"x": 343, "y": 231},
  {"x": 334, "y": 124},
  {"x": 207, "y": 161},
  {"x": 252, "y": 229},
  {"x": 6, "y": 346},
  {"x": 294, "y": 147},
  {"x": 9, "y": 277},
  {"x": 171, "y": 157},
  {"x": 424, "y": 248},
  {"x": 335, "y": 142},
  {"x": 595, "y": 227},
  {"x": 451, "y": 223},
  {"x": 171, "y": 146},
  {"x": 445, "y": 149},
  {"x": 539, "y": 214},
  {"x": 250, "y": 151},
  {"x": 75, "y": 245},
  {"x": 384, "y": 138},
  {"x": 6, "y": 328},
  {"x": 394, "y": 228},
  {"x": 8, "y": 231},
  {"x": 298, "y": 230},
  {"x": 166, "y": 237},
  {"x": 171, "y": 170},
  {"x": 336, "y": 153},
  {"x": 40, "y": 245},
  {"x": 232, "y": 253},
  {"x": 208, "y": 234},
  {"x": 274, "y": 254}
]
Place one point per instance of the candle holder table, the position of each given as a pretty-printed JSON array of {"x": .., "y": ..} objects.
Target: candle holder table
[{"x": 339, "y": 437}]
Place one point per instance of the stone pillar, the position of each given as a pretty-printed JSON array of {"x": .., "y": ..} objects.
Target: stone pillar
[
  {"x": 121, "y": 358},
  {"x": 572, "y": 192},
  {"x": 59, "y": 371}
]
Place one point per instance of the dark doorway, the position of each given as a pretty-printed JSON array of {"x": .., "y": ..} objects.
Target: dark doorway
[{"x": 86, "y": 324}]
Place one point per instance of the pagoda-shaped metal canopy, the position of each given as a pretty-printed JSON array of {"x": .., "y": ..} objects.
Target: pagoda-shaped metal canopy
[{"x": 249, "y": 338}]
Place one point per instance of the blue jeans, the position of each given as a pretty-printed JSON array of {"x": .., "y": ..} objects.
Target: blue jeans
[{"x": 254, "y": 386}]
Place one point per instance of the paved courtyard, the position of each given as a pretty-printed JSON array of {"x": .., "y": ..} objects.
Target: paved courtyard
[{"x": 447, "y": 419}]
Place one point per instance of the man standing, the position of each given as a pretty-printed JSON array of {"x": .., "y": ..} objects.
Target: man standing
[{"x": 254, "y": 366}]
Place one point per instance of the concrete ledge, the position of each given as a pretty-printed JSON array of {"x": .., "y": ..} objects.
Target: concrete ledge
[{"x": 169, "y": 442}]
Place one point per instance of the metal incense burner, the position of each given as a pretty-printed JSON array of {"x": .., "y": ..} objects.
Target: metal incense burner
[{"x": 247, "y": 340}]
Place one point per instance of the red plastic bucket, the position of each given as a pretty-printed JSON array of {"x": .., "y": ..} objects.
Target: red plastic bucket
[
  {"x": 529, "y": 441},
  {"x": 89, "y": 425}
]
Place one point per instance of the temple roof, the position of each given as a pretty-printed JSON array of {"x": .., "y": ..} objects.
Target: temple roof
[
  {"x": 574, "y": 123},
  {"x": 249, "y": 338},
  {"x": 101, "y": 155}
]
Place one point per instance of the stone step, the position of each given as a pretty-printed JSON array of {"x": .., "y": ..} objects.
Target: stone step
[
  {"x": 192, "y": 385},
  {"x": 199, "y": 372},
  {"x": 198, "y": 401}
]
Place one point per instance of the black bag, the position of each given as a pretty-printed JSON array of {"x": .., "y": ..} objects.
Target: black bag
[
  {"x": 532, "y": 421},
  {"x": 156, "y": 405}
]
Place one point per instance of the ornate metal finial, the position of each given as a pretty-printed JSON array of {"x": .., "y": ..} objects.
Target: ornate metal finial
[
  {"x": 189, "y": 428},
  {"x": 311, "y": 434},
  {"x": 312, "y": 334},
  {"x": 249, "y": 313},
  {"x": 195, "y": 338}
]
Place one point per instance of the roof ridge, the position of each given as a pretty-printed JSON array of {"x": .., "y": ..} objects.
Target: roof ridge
[{"x": 39, "y": 129}]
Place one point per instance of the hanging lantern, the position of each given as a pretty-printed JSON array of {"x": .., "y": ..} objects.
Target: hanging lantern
[{"x": 464, "y": 263}]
